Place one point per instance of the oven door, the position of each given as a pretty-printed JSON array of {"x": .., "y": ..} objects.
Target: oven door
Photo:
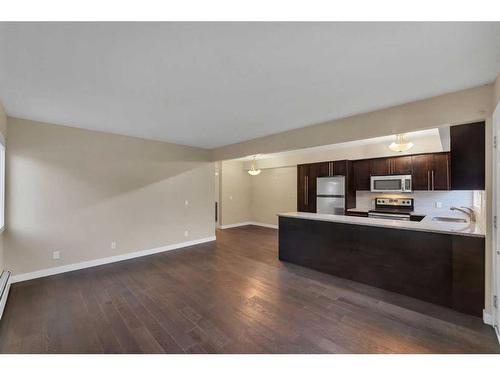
[{"x": 387, "y": 184}]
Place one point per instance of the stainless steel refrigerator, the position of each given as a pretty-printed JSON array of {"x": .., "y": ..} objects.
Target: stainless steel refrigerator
[{"x": 330, "y": 195}]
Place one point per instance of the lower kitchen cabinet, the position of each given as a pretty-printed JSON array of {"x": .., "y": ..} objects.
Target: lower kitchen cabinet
[{"x": 444, "y": 269}]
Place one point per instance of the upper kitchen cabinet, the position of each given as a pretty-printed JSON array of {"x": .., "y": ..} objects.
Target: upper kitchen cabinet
[
  {"x": 324, "y": 169},
  {"x": 379, "y": 166},
  {"x": 431, "y": 171},
  {"x": 340, "y": 167},
  {"x": 361, "y": 171},
  {"x": 440, "y": 174},
  {"x": 467, "y": 145},
  {"x": 331, "y": 168},
  {"x": 421, "y": 178},
  {"x": 400, "y": 165},
  {"x": 394, "y": 165}
]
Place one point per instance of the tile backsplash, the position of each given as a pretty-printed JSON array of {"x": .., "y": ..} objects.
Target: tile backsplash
[{"x": 426, "y": 202}]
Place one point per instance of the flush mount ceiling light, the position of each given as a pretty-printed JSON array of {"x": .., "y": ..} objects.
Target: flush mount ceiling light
[
  {"x": 253, "y": 171},
  {"x": 401, "y": 144}
]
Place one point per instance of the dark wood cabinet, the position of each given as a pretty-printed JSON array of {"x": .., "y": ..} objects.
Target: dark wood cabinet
[
  {"x": 331, "y": 168},
  {"x": 440, "y": 172},
  {"x": 361, "y": 170},
  {"x": 421, "y": 172},
  {"x": 431, "y": 171},
  {"x": 350, "y": 188},
  {"x": 302, "y": 195},
  {"x": 379, "y": 166},
  {"x": 306, "y": 186},
  {"x": 400, "y": 165},
  {"x": 314, "y": 171},
  {"x": 339, "y": 167},
  {"x": 392, "y": 165},
  {"x": 467, "y": 145},
  {"x": 323, "y": 169},
  {"x": 448, "y": 270}
]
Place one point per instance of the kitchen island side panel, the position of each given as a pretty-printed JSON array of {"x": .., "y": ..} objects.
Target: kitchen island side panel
[{"x": 422, "y": 265}]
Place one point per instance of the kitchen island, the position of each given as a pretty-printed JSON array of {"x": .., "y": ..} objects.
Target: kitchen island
[{"x": 438, "y": 262}]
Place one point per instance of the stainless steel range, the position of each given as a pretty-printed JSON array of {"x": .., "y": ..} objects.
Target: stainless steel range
[{"x": 392, "y": 208}]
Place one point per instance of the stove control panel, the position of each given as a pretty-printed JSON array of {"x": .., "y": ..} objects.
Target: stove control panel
[{"x": 396, "y": 202}]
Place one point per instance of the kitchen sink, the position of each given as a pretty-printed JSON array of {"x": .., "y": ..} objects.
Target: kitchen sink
[{"x": 449, "y": 219}]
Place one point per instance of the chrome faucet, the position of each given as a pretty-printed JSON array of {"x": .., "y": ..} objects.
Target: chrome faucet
[{"x": 466, "y": 210}]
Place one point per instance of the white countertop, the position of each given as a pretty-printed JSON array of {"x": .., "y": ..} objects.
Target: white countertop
[{"x": 426, "y": 225}]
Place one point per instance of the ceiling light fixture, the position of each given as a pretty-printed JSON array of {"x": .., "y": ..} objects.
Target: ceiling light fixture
[
  {"x": 401, "y": 144},
  {"x": 253, "y": 171}
]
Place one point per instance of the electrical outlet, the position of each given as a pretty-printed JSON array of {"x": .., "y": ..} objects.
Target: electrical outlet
[
  {"x": 113, "y": 244},
  {"x": 56, "y": 254},
  {"x": 186, "y": 233},
  {"x": 438, "y": 204},
  {"x": 230, "y": 197},
  {"x": 186, "y": 202}
]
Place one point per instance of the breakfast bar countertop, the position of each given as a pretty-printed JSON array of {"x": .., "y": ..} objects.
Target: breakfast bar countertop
[{"x": 425, "y": 225}]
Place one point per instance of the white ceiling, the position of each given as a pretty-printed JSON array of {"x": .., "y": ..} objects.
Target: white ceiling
[{"x": 213, "y": 84}]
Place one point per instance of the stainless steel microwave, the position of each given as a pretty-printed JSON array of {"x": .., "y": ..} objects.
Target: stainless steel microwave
[{"x": 391, "y": 184}]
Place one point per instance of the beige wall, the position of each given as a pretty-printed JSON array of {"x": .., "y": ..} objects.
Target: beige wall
[
  {"x": 496, "y": 94},
  {"x": 274, "y": 190},
  {"x": 235, "y": 193},
  {"x": 450, "y": 109},
  {"x": 76, "y": 191},
  {"x": 3, "y": 133},
  {"x": 246, "y": 198}
]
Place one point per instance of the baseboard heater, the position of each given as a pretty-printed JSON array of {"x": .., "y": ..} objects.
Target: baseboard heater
[{"x": 4, "y": 289}]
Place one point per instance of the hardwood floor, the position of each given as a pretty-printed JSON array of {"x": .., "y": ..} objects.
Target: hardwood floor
[{"x": 229, "y": 296}]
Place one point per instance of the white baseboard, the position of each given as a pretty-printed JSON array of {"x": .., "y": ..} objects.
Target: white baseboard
[
  {"x": 101, "y": 261},
  {"x": 242, "y": 224},
  {"x": 487, "y": 318},
  {"x": 273, "y": 226}
]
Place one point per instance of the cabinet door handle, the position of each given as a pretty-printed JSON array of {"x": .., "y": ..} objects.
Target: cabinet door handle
[
  {"x": 447, "y": 175},
  {"x": 306, "y": 190},
  {"x": 432, "y": 174},
  {"x": 428, "y": 181}
]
